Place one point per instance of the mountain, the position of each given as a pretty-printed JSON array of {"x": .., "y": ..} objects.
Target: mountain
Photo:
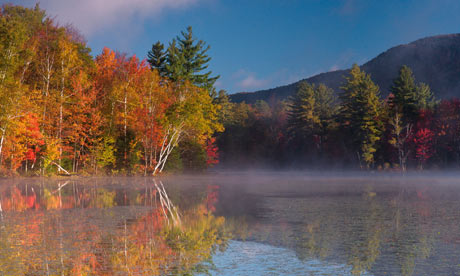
[{"x": 434, "y": 60}]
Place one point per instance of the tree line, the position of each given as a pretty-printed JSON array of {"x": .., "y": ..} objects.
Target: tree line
[
  {"x": 354, "y": 129},
  {"x": 63, "y": 111}
]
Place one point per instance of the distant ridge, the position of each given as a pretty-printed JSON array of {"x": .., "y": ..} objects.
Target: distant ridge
[{"x": 435, "y": 60}]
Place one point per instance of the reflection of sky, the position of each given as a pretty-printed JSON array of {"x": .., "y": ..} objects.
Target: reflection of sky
[{"x": 251, "y": 258}]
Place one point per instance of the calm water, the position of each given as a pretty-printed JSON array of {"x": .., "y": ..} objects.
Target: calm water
[{"x": 232, "y": 224}]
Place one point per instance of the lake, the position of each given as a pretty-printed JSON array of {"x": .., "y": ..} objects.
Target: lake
[{"x": 232, "y": 224}]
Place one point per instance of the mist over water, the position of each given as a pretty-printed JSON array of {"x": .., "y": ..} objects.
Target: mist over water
[{"x": 233, "y": 223}]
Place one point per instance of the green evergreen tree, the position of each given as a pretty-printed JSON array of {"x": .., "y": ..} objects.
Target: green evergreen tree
[
  {"x": 424, "y": 98},
  {"x": 174, "y": 66},
  {"x": 311, "y": 111},
  {"x": 404, "y": 92},
  {"x": 326, "y": 106},
  {"x": 157, "y": 58},
  {"x": 302, "y": 117},
  {"x": 361, "y": 113},
  {"x": 187, "y": 58}
]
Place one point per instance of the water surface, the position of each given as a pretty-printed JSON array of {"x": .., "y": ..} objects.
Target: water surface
[{"x": 232, "y": 224}]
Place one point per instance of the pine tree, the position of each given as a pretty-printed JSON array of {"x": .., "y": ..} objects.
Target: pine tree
[
  {"x": 326, "y": 106},
  {"x": 361, "y": 113},
  {"x": 174, "y": 63},
  {"x": 187, "y": 58},
  {"x": 405, "y": 95},
  {"x": 311, "y": 111},
  {"x": 301, "y": 117},
  {"x": 424, "y": 97},
  {"x": 157, "y": 58}
]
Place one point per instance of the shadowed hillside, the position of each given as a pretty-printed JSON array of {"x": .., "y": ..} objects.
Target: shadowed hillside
[{"x": 434, "y": 60}]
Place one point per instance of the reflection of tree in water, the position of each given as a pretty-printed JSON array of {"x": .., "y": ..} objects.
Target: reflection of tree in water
[
  {"x": 316, "y": 244},
  {"x": 177, "y": 248},
  {"x": 412, "y": 236},
  {"x": 74, "y": 231},
  {"x": 334, "y": 232},
  {"x": 98, "y": 229},
  {"x": 366, "y": 235},
  {"x": 373, "y": 229}
]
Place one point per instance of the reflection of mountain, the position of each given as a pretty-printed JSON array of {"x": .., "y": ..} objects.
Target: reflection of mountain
[{"x": 434, "y": 60}]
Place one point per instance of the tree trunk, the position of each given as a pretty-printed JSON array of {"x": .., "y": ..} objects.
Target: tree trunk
[
  {"x": 170, "y": 140},
  {"x": 2, "y": 140},
  {"x": 61, "y": 102},
  {"x": 125, "y": 129},
  {"x": 47, "y": 69},
  {"x": 125, "y": 102},
  {"x": 26, "y": 66},
  {"x": 8, "y": 59}
]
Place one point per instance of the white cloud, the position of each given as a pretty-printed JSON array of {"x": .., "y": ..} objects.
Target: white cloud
[
  {"x": 93, "y": 16},
  {"x": 251, "y": 82},
  {"x": 334, "y": 67},
  {"x": 248, "y": 80}
]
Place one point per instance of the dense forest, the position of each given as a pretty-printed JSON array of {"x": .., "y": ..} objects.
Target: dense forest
[{"x": 63, "y": 111}]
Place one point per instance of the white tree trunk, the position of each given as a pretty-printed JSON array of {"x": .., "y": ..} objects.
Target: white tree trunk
[
  {"x": 61, "y": 103},
  {"x": 166, "y": 202},
  {"x": 170, "y": 140},
  {"x": 125, "y": 107},
  {"x": 47, "y": 69},
  {"x": 2, "y": 140}
]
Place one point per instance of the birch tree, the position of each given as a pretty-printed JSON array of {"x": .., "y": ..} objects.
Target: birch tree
[{"x": 192, "y": 114}]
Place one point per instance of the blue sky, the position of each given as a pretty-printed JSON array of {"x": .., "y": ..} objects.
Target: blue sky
[{"x": 259, "y": 44}]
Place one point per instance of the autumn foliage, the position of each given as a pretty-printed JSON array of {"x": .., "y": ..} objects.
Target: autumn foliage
[{"x": 62, "y": 111}]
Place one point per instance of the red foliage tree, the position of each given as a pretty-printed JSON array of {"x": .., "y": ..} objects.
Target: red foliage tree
[
  {"x": 423, "y": 144},
  {"x": 212, "y": 152},
  {"x": 423, "y": 138},
  {"x": 24, "y": 142}
]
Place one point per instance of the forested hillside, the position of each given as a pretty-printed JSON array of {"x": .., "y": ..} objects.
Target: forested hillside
[{"x": 434, "y": 60}]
